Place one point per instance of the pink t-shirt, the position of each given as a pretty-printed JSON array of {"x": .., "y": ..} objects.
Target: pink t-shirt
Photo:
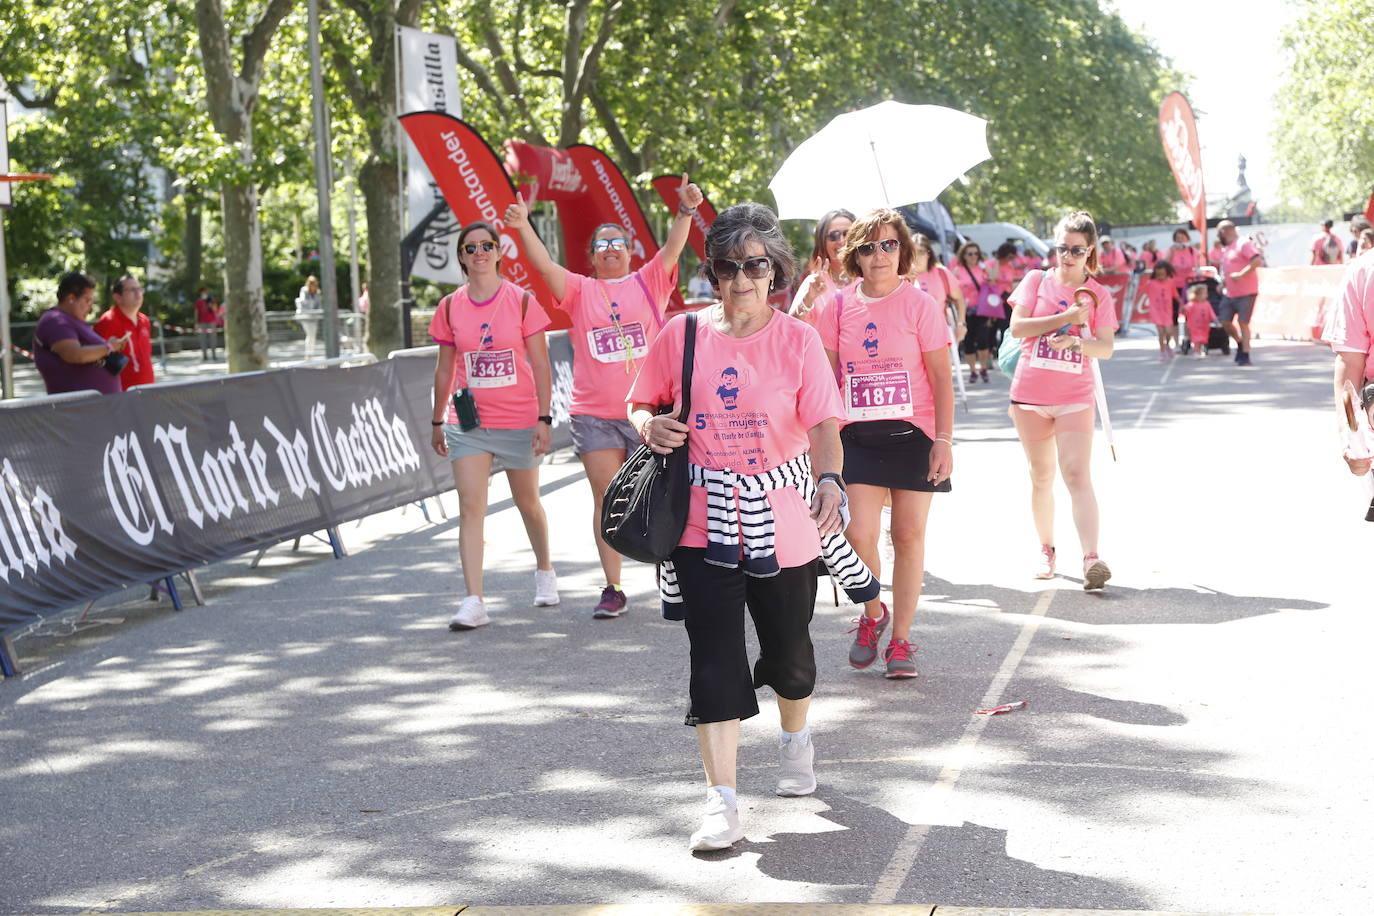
[
  {"x": 1048, "y": 377},
  {"x": 1328, "y": 249},
  {"x": 1234, "y": 257},
  {"x": 966, "y": 279},
  {"x": 1159, "y": 297},
  {"x": 881, "y": 346},
  {"x": 1198, "y": 316},
  {"x": 1185, "y": 261},
  {"x": 1112, "y": 262},
  {"x": 1007, "y": 274},
  {"x": 754, "y": 400},
  {"x": 614, "y": 322},
  {"x": 491, "y": 359},
  {"x": 1350, "y": 324},
  {"x": 936, "y": 283}
]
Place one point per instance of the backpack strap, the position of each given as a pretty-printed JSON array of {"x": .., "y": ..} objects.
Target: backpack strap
[{"x": 689, "y": 358}]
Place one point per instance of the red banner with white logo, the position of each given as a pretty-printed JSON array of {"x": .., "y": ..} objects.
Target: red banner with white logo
[
  {"x": 1178, "y": 131},
  {"x": 475, "y": 185},
  {"x": 666, "y": 186}
]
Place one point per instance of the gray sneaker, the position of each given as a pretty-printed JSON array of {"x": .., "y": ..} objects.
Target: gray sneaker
[
  {"x": 898, "y": 655},
  {"x": 796, "y": 769},
  {"x": 865, "y": 647}
]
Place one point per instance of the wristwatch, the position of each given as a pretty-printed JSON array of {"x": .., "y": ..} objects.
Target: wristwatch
[
  {"x": 546, "y": 419},
  {"x": 831, "y": 475}
]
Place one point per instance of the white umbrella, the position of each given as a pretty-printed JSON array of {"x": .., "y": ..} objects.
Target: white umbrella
[{"x": 885, "y": 156}]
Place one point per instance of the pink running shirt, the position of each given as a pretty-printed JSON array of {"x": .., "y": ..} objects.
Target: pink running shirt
[
  {"x": 491, "y": 359},
  {"x": 1198, "y": 316},
  {"x": 1046, "y": 377},
  {"x": 1328, "y": 249},
  {"x": 938, "y": 285},
  {"x": 881, "y": 345},
  {"x": 1112, "y": 262},
  {"x": 754, "y": 400},
  {"x": 1350, "y": 324},
  {"x": 1159, "y": 294},
  {"x": 1234, "y": 257},
  {"x": 966, "y": 282},
  {"x": 606, "y": 355},
  {"x": 1185, "y": 261}
]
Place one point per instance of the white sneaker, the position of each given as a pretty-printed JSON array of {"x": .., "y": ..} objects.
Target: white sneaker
[
  {"x": 545, "y": 588},
  {"x": 796, "y": 769},
  {"x": 719, "y": 828},
  {"x": 471, "y": 614}
]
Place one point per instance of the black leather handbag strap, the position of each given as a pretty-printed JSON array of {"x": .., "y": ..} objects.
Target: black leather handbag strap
[{"x": 689, "y": 358}]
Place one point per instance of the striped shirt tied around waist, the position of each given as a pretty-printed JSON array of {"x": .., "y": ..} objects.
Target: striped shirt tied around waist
[{"x": 740, "y": 531}]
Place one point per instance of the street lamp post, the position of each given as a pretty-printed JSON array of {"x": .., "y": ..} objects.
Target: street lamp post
[{"x": 323, "y": 184}]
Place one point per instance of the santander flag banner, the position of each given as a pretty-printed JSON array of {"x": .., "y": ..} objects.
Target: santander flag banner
[
  {"x": 476, "y": 187},
  {"x": 546, "y": 173},
  {"x": 1178, "y": 130},
  {"x": 666, "y": 186},
  {"x": 429, "y": 82}
]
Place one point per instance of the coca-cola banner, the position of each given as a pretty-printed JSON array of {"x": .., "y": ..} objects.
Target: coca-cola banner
[
  {"x": 475, "y": 185},
  {"x": 103, "y": 493},
  {"x": 1178, "y": 130}
]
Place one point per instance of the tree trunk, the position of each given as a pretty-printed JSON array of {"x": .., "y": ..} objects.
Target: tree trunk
[
  {"x": 245, "y": 319},
  {"x": 192, "y": 239},
  {"x": 382, "y": 203}
]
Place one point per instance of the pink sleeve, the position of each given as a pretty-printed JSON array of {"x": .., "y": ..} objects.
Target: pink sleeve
[
  {"x": 931, "y": 331},
  {"x": 1022, "y": 293},
  {"x": 572, "y": 290},
  {"x": 826, "y": 321},
  {"x": 536, "y": 319},
  {"x": 654, "y": 384},
  {"x": 1104, "y": 316},
  {"x": 818, "y": 399},
  {"x": 1347, "y": 330},
  {"x": 1251, "y": 251},
  {"x": 439, "y": 330},
  {"x": 658, "y": 282}
]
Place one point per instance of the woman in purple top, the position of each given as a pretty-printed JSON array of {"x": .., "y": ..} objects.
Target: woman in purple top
[{"x": 69, "y": 354}]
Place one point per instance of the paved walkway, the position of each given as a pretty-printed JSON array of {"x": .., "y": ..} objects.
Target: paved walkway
[{"x": 316, "y": 737}]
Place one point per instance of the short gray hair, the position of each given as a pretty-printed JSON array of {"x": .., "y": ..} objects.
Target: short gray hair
[{"x": 735, "y": 227}]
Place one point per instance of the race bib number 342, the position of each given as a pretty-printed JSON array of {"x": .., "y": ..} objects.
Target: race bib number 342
[
  {"x": 490, "y": 368},
  {"x": 878, "y": 396}
]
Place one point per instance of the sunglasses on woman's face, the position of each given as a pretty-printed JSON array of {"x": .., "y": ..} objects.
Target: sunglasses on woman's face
[
  {"x": 887, "y": 245},
  {"x": 834, "y": 235},
  {"x": 1071, "y": 251},
  {"x": 754, "y": 268},
  {"x": 972, "y": 254},
  {"x": 610, "y": 245},
  {"x": 474, "y": 247}
]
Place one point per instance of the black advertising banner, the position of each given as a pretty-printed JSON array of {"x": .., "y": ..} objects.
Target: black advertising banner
[{"x": 99, "y": 494}]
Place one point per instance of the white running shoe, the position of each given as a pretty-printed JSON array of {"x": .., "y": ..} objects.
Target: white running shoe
[
  {"x": 545, "y": 588},
  {"x": 719, "y": 828},
  {"x": 471, "y": 614},
  {"x": 796, "y": 769}
]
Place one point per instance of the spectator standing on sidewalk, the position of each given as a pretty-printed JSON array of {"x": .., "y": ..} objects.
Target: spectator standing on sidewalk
[
  {"x": 209, "y": 318},
  {"x": 616, "y": 316},
  {"x": 126, "y": 319},
  {"x": 1238, "y": 261},
  {"x": 1327, "y": 247},
  {"x": 493, "y": 355},
  {"x": 68, "y": 353}
]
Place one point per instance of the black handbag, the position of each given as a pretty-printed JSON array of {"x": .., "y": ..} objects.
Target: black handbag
[{"x": 646, "y": 502}]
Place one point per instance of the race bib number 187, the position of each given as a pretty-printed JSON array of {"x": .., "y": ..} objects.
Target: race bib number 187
[{"x": 878, "y": 396}]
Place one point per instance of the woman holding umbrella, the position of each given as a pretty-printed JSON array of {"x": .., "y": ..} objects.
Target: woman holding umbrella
[
  {"x": 616, "y": 315},
  {"x": 1065, "y": 319},
  {"x": 825, "y": 271}
]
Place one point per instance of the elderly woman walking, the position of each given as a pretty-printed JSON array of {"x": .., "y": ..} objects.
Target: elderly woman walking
[{"x": 764, "y": 449}]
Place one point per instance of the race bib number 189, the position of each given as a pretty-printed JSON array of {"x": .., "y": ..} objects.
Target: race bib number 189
[{"x": 607, "y": 345}]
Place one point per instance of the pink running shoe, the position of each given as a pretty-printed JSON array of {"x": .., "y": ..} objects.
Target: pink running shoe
[
  {"x": 1045, "y": 569},
  {"x": 613, "y": 604},
  {"x": 1095, "y": 572},
  {"x": 865, "y": 648},
  {"x": 900, "y": 664}
]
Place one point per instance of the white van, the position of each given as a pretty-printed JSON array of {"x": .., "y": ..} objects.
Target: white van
[{"x": 991, "y": 235}]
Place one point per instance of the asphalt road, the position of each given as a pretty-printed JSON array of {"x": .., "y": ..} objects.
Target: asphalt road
[{"x": 1197, "y": 738}]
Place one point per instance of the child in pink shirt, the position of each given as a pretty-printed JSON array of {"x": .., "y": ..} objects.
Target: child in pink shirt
[
  {"x": 1198, "y": 316},
  {"x": 1157, "y": 292}
]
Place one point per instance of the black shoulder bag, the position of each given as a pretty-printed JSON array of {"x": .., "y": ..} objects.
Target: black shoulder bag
[{"x": 645, "y": 507}]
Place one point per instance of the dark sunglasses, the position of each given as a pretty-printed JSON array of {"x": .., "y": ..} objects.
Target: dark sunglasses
[
  {"x": 834, "y": 235},
  {"x": 887, "y": 245},
  {"x": 610, "y": 245},
  {"x": 474, "y": 247},
  {"x": 754, "y": 268},
  {"x": 1075, "y": 251}
]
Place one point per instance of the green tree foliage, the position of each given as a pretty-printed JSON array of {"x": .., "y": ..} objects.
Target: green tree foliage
[{"x": 1324, "y": 132}]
